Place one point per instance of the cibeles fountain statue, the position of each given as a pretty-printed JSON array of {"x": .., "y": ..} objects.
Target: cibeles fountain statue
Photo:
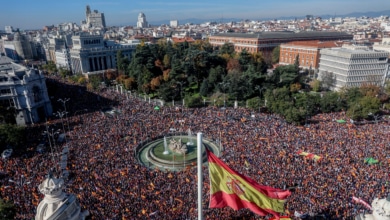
[
  {"x": 177, "y": 146},
  {"x": 380, "y": 210}
]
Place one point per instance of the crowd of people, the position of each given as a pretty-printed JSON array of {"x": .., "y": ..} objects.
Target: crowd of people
[{"x": 110, "y": 182}]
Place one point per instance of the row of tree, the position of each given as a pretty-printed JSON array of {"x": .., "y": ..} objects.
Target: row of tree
[{"x": 198, "y": 71}]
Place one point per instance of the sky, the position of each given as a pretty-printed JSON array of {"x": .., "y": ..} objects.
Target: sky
[{"x": 28, "y": 14}]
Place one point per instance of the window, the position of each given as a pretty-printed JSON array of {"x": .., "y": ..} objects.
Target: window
[{"x": 5, "y": 91}]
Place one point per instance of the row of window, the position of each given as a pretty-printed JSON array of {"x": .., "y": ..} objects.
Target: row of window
[
  {"x": 364, "y": 79},
  {"x": 7, "y": 103},
  {"x": 298, "y": 50},
  {"x": 250, "y": 49},
  {"x": 380, "y": 60},
  {"x": 300, "y": 55},
  {"x": 302, "y": 62},
  {"x": 93, "y": 41},
  {"x": 5, "y": 91}
]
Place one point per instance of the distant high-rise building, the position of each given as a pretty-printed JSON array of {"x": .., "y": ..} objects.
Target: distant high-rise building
[
  {"x": 94, "y": 19},
  {"x": 19, "y": 48},
  {"x": 174, "y": 23},
  {"x": 142, "y": 23},
  {"x": 9, "y": 29}
]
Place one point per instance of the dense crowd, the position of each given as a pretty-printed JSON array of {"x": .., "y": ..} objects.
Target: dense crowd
[{"x": 111, "y": 184}]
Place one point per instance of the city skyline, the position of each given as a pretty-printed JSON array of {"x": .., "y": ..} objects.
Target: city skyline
[{"x": 25, "y": 14}]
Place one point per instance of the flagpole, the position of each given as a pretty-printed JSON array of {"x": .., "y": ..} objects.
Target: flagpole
[{"x": 200, "y": 175}]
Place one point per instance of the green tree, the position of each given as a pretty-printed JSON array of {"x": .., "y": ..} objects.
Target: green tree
[
  {"x": 332, "y": 102},
  {"x": 204, "y": 88},
  {"x": 227, "y": 48},
  {"x": 283, "y": 76},
  {"x": 12, "y": 135},
  {"x": 7, "y": 210},
  {"x": 296, "y": 63},
  {"x": 244, "y": 59},
  {"x": 7, "y": 115},
  {"x": 193, "y": 101},
  {"x": 275, "y": 55},
  {"x": 316, "y": 85},
  {"x": 64, "y": 72}
]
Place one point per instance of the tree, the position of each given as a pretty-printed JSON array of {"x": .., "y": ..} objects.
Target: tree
[
  {"x": 227, "y": 48},
  {"x": 7, "y": 115},
  {"x": 244, "y": 59},
  {"x": 275, "y": 55},
  {"x": 204, "y": 87},
  {"x": 331, "y": 102},
  {"x": 7, "y": 210},
  {"x": 370, "y": 90},
  {"x": 316, "y": 85},
  {"x": 12, "y": 135},
  {"x": 121, "y": 62},
  {"x": 64, "y": 72},
  {"x": 364, "y": 107},
  {"x": 328, "y": 80},
  {"x": 296, "y": 63}
]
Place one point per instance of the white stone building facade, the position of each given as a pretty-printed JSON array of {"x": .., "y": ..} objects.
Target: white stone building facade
[
  {"x": 90, "y": 53},
  {"x": 353, "y": 66},
  {"x": 25, "y": 90},
  {"x": 142, "y": 23}
]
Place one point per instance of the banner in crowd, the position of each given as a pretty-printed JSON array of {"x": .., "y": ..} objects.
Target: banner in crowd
[
  {"x": 309, "y": 155},
  {"x": 370, "y": 160},
  {"x": 358, "y": 200},
  {"x": 230, "y": 188}
]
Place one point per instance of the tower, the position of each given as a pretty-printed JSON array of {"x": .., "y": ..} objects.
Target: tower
[
  {"x": 142, "y": 23},
  {"x": 87, "y": 11}
]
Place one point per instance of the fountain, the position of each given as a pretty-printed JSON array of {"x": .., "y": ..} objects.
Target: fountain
[
  {"x": 165, "y": 146},
  {"x": 179, "y": 154},
  {"x": 189, "y": 143}
]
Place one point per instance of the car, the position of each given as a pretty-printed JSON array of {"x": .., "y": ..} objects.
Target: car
[{"x": 6, "y": 153}]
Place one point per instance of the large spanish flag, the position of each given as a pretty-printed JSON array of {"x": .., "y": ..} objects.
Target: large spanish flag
[{"x": 230, "y": 188}]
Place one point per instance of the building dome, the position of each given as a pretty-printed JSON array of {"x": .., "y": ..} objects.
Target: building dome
[{"x": 56, "y": 204}]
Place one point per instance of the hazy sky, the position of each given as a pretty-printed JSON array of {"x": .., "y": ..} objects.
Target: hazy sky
[{"x": 29, "y": 14}]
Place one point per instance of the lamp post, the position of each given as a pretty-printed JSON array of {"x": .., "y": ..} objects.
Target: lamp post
[
  {"x": 61, "y": 114},
  {"x": 63, "y": 101},
  {"x": 48, "y": 137},
  {"x": 21, "y": 184}
]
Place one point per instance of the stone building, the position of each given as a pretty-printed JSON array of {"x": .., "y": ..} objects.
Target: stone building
[
  {"x": 307, "y": 51},
  {"x": 94, "y": 19},
  {"x": 56, "y": 204},
  {"x": 142, "y": 23},
  {"x": 91, "y": 53},
  {"x": 265, "y": 42},
  {"x": 25, "y": 90},
  {"x": 352, "y": 66}
]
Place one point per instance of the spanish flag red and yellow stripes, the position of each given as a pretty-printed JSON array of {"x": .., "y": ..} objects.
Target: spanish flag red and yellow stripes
[{"x": 230, "y": 188}]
